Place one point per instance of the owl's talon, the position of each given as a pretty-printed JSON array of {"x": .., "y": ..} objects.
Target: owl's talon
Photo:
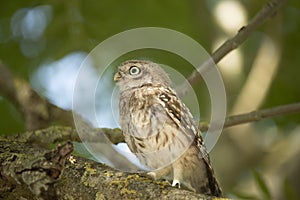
[{"x": 176, "y": 182}]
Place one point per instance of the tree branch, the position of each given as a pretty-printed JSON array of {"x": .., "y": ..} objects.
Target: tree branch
[
  {"x": 33, "y": 172},
  {"x": 266, "y": 12},
  {"x": 262, "y": 114},
  {"x": 7, "y": 87},
  {"x": 36, "y": 111},
  {"x": 257, "y": 115}
]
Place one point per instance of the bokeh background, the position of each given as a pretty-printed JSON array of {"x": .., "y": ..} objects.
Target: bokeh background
[{"x": 45, "y": 43}]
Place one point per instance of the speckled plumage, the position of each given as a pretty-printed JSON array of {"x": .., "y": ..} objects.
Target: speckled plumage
[{"x": 160, "y": 130}]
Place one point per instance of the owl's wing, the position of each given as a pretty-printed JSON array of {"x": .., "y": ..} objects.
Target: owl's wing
[
  {"x": 183, "y": 118},
  {"x": 181, "y": 115}
]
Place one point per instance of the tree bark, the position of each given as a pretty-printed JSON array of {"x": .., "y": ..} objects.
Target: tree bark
[{"x": 29, "y": 170}]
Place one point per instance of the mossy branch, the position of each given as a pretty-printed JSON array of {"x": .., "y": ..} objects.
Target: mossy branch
[{"x": 33, "y": 172}]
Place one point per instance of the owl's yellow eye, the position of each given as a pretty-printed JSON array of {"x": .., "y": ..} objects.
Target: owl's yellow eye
[{"x": 134, "y": 70}]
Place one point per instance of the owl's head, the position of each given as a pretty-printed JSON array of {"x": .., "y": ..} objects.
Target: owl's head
[{"x": 136, "y": 73}]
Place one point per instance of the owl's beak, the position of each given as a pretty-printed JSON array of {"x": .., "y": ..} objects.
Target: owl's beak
[{"x": 117, "y": 76}]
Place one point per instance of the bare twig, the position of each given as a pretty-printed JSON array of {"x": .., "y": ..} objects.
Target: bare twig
[
  {"x": 266, "y": 12},
  {"x": 262, "y": 114},
  {"x": 257, "y": 115}
]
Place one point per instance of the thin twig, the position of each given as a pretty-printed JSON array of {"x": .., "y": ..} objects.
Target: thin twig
[
  {"x": 262, "y": 114},
  {"x": 257, "y": 115},
  {"x": 266, "y": 12}
]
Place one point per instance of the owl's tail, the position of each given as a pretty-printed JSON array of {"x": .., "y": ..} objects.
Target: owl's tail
[
  {"x": 213, "y": 183},
  {"x": 198, "y": 175}
]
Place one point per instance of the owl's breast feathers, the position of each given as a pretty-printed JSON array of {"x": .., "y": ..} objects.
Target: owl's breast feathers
[{"x": 152, "y": 101}]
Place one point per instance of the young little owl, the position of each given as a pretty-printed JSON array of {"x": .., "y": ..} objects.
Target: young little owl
[{"x": 159, "y": 129}]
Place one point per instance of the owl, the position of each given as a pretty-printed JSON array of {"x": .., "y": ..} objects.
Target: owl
[{"x": 160, "y": 130}]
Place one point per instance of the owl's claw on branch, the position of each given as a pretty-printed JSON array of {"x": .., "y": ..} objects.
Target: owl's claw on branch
[
  {"x": 176, "y": 183},
  {"x": 151, "y": 175}
]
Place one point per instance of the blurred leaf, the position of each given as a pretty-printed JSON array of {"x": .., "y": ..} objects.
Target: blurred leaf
[
  {"x": 262, "y": 184},
  {"x": 289, "y": 191}
]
